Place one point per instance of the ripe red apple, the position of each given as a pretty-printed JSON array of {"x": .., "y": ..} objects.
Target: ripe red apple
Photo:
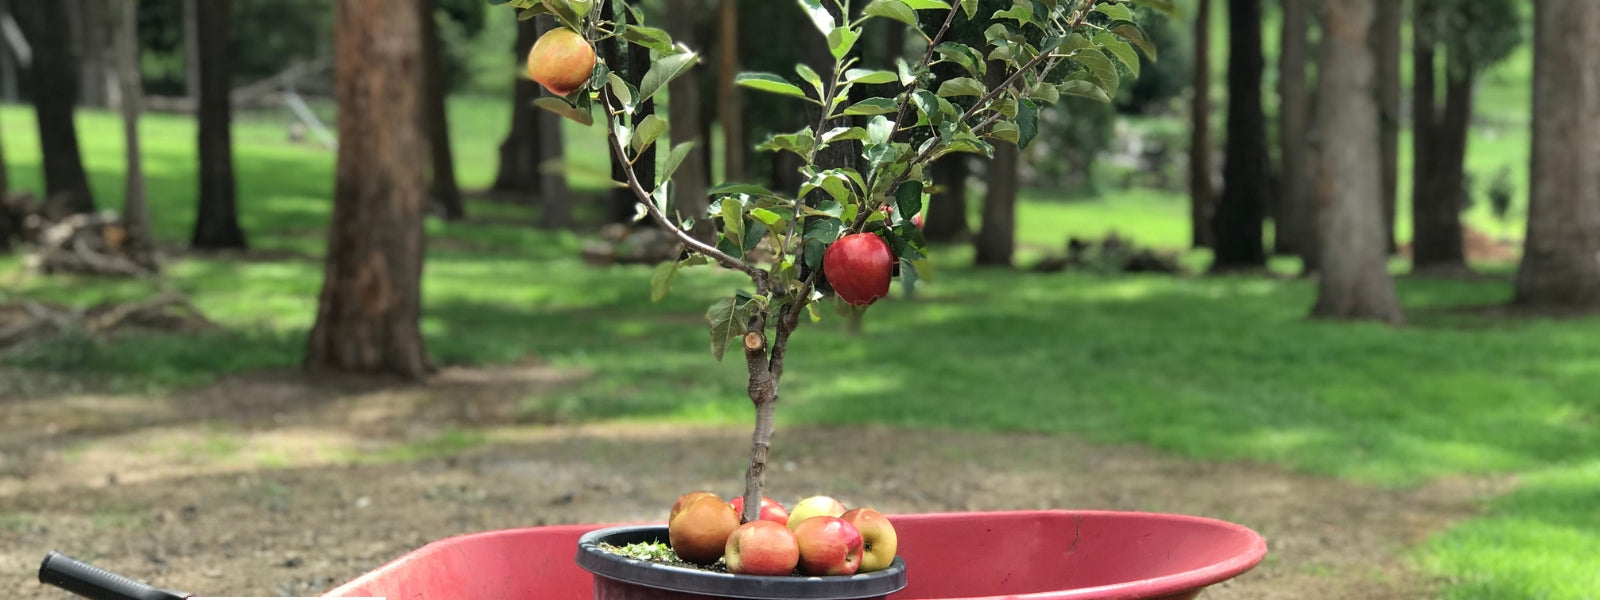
[
  {"x": 762, "y": 547},
  {"x": 859, "y": 267},
  {"x": 815, "y": 506},
  {"x": 828, "y": 546},
  {"x": 683, "y": 502},
  {"x": 917, "y": 220},
  {"x": 561, "y": 61},
  {"x": 770, "y": 510},
  {"x": 878, "y": 540},
  {"x": 699, "y": 533}
]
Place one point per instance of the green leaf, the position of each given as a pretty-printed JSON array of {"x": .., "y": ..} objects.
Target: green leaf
[
  {"x": 649, "y": 37},
  {"x": 963, "y": 55},
  {"x": 810, "y": 76},
  {"x": 800, "y": 142},
  {"x": 733, "y": 219},
  {"x": 664, "y": 71},
  {"x": 970, "y": 7},
  {"x": 753, "y": 235},
  {"x": 927, "y": 4},
  {"x": 772, "y": 84},
  {"x": 646, "y": 132},
  {"x": 873, "y": 106},
  {"x": 1165, "y": 7},
  {"x": 908, "y": 276},
  {"x": 962, "y": 86},
  {"x": 560, "y": 107},
  {"x": 844, "y": 133},
  {"x": 1005, "y": 130},
  {"x": 768, "y": 217},
  {"x": 1044, "y": 93},
  {"x": 1119, "y": 49},
  {"x": 1099, "y": 65},
  {"x": 814, "y": 249},
  {"x": 1085, "y": 89},
  {"x": 1022, "y": 13},
  {"x": 880, "y": 129},
  {"x": 824, "y": 230},
  {"x": 841, "y": 40},
  {"x": 1117, "y": 12},
  {"x": 1007, "y": 107},
  {"x": 674, "y": 159},
  {"x": 870, "y": 77},
  {"x": 1135, "y": 36},
  {"x": 909, "y": 199},
  {"x": 1027, "y": 122},
  {"x": 726, "y": 325},
  {"x": 622, "y": 90},
  {"x": 892, "y": 9},
  {"x": 749, "y": 189},
  {"x": 819, "y": 15},
  {"x": 661, "y": 280}
]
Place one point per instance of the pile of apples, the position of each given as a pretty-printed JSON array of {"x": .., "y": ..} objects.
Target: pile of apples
[{"x": 819, "y": 538}]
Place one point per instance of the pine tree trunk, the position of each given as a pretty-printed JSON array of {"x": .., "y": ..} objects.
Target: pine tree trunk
[
  {"x": 443, "y": 188},
  {"x": 729, "y": 111},
  {"x": 1438, "y": 244},
  {"x": 1559, "y": 266},
  {"x": 371, "y": 301},
  {"x": 519, "y": 152},
  {"x": 123, "y": 17},
  {"x": 55, "y": 92},
  {"x": 1239, "y": 213},
  {"x": 1424, "y": 118},
  {"x": 1294, "y": 229},
  {"x": 946, "y": 219},
  {"x": 217, "y": 224},
  {"x": 1355, "y": 281},
  {"x": 1386, "y": 47},
  {"x": 689, "y": 183},
  {"x": 1201, "y": 191}
]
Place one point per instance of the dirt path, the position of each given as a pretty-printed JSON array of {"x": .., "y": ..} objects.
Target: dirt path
[{"x": 280, "y": 485}]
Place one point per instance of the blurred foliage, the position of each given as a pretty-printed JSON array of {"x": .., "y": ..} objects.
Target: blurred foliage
[
  {"x": 1163, "y": 81},
  {"x": 1475, "y": 34}
]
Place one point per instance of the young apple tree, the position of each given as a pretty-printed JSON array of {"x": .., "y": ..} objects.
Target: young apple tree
[{"x": 846, "y": 231}]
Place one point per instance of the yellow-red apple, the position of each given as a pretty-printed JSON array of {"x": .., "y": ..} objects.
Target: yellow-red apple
[
  {"x": 762, "y": 547},
  {"x": 561, "y": 61},
  {"x": 815, "y": 506},
  {"x": 828, "y": 546},
  {"x": 699, "y": 533},
  {"x": 878, "y": 540}
]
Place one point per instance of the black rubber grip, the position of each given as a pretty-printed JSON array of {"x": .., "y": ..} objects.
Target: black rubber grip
[{"x": 95, "y": 583}]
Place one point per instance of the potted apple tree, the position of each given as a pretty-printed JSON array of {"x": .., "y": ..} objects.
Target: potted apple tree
[{"x": 848, "y": 230}]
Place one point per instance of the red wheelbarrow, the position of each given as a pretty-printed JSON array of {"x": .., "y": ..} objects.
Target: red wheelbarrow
[{"x": 1032, "y": 555}]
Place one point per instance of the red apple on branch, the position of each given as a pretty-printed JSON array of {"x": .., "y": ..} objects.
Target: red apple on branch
[
  {"x": 561, "y": 61},
  {"x": 762, "y": 547},
  {"x": 859, "y": 267},
  {"x": 699, "y": 533},
  {"x": 878, "y": 540},
  {"x": 828, "y": 546},
  {"x": 771, "y": 510}
]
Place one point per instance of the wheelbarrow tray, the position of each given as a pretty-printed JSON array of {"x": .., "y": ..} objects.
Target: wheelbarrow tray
[{"x": 1037, "y": 555}]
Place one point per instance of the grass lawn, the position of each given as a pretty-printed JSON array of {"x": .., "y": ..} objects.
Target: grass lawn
[{"x": 1221, "y": 368}]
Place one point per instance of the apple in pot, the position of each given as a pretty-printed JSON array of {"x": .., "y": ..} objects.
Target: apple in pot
[
  {"x": 828, "y": 546},
  {"x": 878, "y": 540},
  {"x": 683, "y": 502},
  {"x": 771, "y": 510},
  {"x": 699, "y": 533},
  {"x": 859, "y": 267},
  {"x": 815, "y": 506},
  {"x": 762, "y": 547}
]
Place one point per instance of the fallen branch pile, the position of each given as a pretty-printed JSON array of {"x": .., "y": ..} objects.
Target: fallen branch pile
[{"x": 30, "y": 321}]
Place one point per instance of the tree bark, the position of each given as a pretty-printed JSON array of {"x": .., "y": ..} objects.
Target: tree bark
[
  {"x": 689, "y": 183},
  {"x": 55, "y": 92},
  {"x": 1294, "y": 229},
  {"x": 555, "y": 200},
  {"x": 371, "y": 301},
  {"x": 1559, "y": 265},
  {"x": 123, "y": 18},
  {"x": 86, "y": 23},
  {"x": 1386, "y": 46},
  {"x": 946, "y": 219},
  {"x": 729, "y": 110},
  {"x": 217, "y": 224},
  {"x": 1201, "y": 189},
  {"x": 997, "y": 232},
  {"x": 1437, "y": 245},
  {"x": 519, "y": 152},
  {"x": 1355, "y": 281},
  {"x": 443, "y": 188},
  {"x": 645, "y": 165},
  {"x": 1238, "y": 221},
  {"x": 191, "y": 50}
]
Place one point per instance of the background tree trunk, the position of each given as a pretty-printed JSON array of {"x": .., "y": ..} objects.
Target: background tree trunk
[
  {"x": 555, "y": 200},
  {"x": 443, "y": 188},
  {"x": 86, "y": 20},
  {"x": 689, "y": 183},
  {"x": 1200, "y": 186},
  {"x": 1244, "y": 178},
  {"x": 217, "y": 224},
  {"x": 122, "y": 17},
  {"x": 645, "y": 165},
  {"x": 519, "y": 152},
  {"x": 997, "y": 232},
  {"x": 1559, "y": 268},
  {"x": 1294, "y": 229},
  {"x": 1438, "y": 245},
  {"x": 729, "y": 111},
  {"x": 55, "y": 92},
  {"x": 191, "y": 50},
  {"x": 9, "y": 227},
  {"x": 1355, "y": 282},
  {"x": 946, "y": 219},
  {"x": 367, "y": 316},
  {"x": 1386, "y": 48}
]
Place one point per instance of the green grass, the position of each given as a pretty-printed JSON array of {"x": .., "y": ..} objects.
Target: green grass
[{"x": 1224, "y": 368}]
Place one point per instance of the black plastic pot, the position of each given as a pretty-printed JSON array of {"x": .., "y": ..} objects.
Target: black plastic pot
[{"x": 621, "y": 578}]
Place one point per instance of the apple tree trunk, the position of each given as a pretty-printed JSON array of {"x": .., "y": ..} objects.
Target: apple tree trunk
[
  {"x": 1559, "y": 268},
  {"x": 1201, "y": 190},
  {"x": 946, "y": 220},
  {"x": 371, "y": 301},
  {"x": 1354, "y": 275},
  {"x": 55, "y": 92},
  {"x": 442, "y": 182},
  {"x": 1239, "y": 216},
  {"x": 217, "y": 224},
  {"x": 1386, "y": 46},
  {"x": 1294, "y": 228}
]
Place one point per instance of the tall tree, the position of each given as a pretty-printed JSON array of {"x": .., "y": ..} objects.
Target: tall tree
[
  {"x": 631, "y": 63},
  {"x": 997, "y": 232},
  {"x": 371, "y": 301},
  {"x": 1559, "y": 269},
  {"x": 555, "y": 201},
  {"x": 1239, "y": 214},
  {"x": 10, "y": 229},
  {"x": 442, "y": 180},
  {"x": 123, "y": 18},
  {"x": 217, "y": 225},
  {"x": 519, "y": 152},
  {"x": 191, "y": 50},
  {"x": 1295, "y": 228},
  {"x": 1355, "y": 281},
  {"x": 946, "y": 219},
  {"x": 55, "y": 92},
  {"x": 689, "y": 183},
  {"x": 1386, "y": 50},
  {"x": 1200, "y": 187},
  {"x": 729, "y": 110}
]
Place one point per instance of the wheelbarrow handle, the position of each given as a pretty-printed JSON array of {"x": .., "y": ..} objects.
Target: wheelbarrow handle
[{"x": 95, "y": 583}]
